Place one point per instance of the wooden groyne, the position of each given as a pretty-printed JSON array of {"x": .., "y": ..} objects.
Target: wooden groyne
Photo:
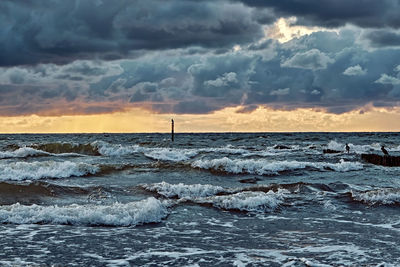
[{"x": 390, "y": 161}]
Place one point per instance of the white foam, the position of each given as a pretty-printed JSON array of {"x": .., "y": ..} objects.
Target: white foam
[
  {"x": 184, "y": 191},
  {"x": 246, "y": 201},
  {"x": 170, "y": 154},
  {"x": 18, "y": 171},
  {"x": 261, "y": 167},
  {"x": 305, "y": 262},
  {"x": 328, "y": 205},
  {"x": 386, "y": 196},
  {"x": 22, "y": 153},
  {"x": 174, "y": 154},
  {"x": 229, "y": 149},
  {"x": 149, "y": 210},
  {"x": 107, "y": 149}
]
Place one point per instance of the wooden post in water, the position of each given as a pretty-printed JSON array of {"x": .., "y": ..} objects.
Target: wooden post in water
[{"x": 172, "y": 130}]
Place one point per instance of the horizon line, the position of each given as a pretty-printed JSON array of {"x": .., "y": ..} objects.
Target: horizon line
[{"x": 205, "y": 132}]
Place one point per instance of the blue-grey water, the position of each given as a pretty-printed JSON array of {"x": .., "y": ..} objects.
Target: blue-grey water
[{"x": 233, "y": 199}]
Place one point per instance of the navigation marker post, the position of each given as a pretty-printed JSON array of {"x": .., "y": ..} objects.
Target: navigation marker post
[{"x": 172, "y": 130}]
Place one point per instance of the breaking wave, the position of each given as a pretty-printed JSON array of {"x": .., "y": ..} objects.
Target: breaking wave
[
  {"x": 149, "y": 210},
  {"x": 182, "y": 190},
  {"x": 22, "y": 152},
  {"x": 244, "y": 199},
  {"x": 229, "y": 149},
  {"x": 264, "y": 167},
  {"x": 18, "y": 171},
  {"x": 170, "y": 154},
  {"x": 107, "y": 149},
  {"x": 102, "y": 148},
  {"x": 385, "y": 196}
]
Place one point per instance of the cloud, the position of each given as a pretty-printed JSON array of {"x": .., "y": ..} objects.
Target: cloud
[
  {"x": 315, "y": 92},
  {"x": 200, "y": 79},
  {"x": 386, "y": 79},
  {"x": 327, "y": 13},
  {"x": 224, "y": 80},
  {"x": 383, "y": 38},
  {"x": 354, "y": 71},
  {"x": 280, "y": 92},
  {"x": 61, "y": 31},
  {"x": 312, "y": 59}
]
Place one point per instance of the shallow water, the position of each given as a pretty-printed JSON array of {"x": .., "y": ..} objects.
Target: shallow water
[{"x": 206, "y": 199}]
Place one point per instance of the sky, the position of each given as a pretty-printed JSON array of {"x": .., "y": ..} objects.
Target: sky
[{"x": 213, "y": 66}]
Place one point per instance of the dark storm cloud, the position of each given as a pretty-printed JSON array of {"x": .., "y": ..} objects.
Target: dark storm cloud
[
  {"x": 182, "y": 56},
  {"x": 383, "y": 38},
  {"x": 58, "y": 31},
  {"x": 325, "y": 69},
  {"x": 61, "y": 31},
  {"x": 328, "y": 13},
  {"x": 194, "y": 107}
]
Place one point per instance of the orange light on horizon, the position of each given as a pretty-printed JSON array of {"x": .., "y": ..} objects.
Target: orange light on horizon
[{"x": 262, "y": 119}]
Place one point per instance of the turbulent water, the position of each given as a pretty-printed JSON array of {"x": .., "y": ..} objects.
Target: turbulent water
[{"x": 205, "y": 200}]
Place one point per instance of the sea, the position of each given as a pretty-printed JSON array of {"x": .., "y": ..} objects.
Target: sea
[{"x": 206, "y": 199}]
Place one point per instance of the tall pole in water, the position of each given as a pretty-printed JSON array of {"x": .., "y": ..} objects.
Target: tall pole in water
[{"x": 172, "y": 130}]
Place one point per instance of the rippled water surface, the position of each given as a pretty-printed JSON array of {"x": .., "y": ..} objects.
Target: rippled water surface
[{"x": 256, "y": 199}]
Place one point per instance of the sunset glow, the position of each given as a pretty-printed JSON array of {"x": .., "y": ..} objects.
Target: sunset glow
[{"x": 226, "y": 120}]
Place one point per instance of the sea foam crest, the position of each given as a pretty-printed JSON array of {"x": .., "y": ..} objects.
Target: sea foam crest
[
  {"x": 386, "y": 196},
  {"x": 184, "y": 191},
  {"x": 18, "y": 171},
  {"x": 170, "y": 154},
  {"x": 22, "y": 152},
  {"x": 228, "y": 149},
  {"x": 107, "y": 149},
  {"x": 149, "y": 210},
  {"x": 262, "y": 167},
  {"x": 247, "y": 201}
]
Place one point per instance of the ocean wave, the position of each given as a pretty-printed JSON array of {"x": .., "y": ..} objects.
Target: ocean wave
[
  {"x": 171, "y": 154},
  {"x": 40, "y": 188},
  {"x": 243, "y": 199},
  {"x": 102, "y": 148},
  {"x": 264, "y": 167},
  {"x": 182, "y": 190},
  {"x": 18, "y": 171},
  {"x": 22, "y": 152},
  {"x": 25, "y": 152},
  {"x": 107, "y": 149},
  {"x": 228, "y": 149},
  {"x": 149, "y": 210},
  {"x": 25, "y": 189},
  {"x": 62, "y": 148},
  {"x": 385, "y": 196},
  {"x": 246, "y": 201},
  {"x": 163, "y": 153},
  {"x": 96, "y": 148}
]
